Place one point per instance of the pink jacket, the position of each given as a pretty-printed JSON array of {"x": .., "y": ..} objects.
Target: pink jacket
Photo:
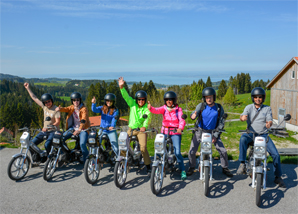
[{"x": 169, "y": 118}]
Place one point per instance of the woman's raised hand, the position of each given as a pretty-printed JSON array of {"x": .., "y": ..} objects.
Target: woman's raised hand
[
  {"x": 93, "y": 100},
  {"x": 149, "y": 105}
]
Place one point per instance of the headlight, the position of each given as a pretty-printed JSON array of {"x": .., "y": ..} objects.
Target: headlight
[
  {"x": 56, "y": 140},
  {"x": 158, "y": 145},
  {"x": 122, "y": 143},
  {"x": 23, "y": 141},
  {"x": 206, "y": 145},
  {"x": 259, "y": 149},
  {"x": 92, "y": 140}
]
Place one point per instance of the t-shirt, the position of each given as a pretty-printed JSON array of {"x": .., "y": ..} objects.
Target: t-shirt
[
  {"x": 50, "y": 113},
  {"x": 76, "y": 119},
  {"x": 209, "y": 118}
]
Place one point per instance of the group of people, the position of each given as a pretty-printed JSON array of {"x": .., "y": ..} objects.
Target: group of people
[{"x": 209, "y": 116}]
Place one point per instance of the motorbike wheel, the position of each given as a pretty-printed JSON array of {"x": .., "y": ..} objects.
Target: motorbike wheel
[
  {"x": 91, "y": 173},
  {"x": 258, "y": 189},
  {"x": 15, "y": 170},
  {"x": 156, "y": 179},
  {"x": 206, "y": 180},
  {"x": 49, "y": 168},
  {"x": 119, "y": 174}
]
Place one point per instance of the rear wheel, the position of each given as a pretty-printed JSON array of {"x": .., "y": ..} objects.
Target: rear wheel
[
  {"x": 18, "y": 167},
  {"x": 156, "y": 179},
  {"x": 258, "y": 189},
  {"x": 91, "y": 170},
  {"x": 119, "y": 174},
  {"x": 206, "y": 180},
  {"x": 49, "y": 168}
]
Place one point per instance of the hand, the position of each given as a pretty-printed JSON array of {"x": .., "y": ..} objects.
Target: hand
[
  {"x": 142, "y": 129},
  {"x": 149, "y": 105},
  {"x": 93, "y": 100},
  {"x": 243, "y": 117},
  {"x": 26, "y": 85},
  {"x": 121, "y": 82},
  {"x": 111, "y": 128},
  {"x": 193, "y": 116},
  {"x": 44, "y": 129},
  {"x": 58, "y": 108},
  {"x": 77, "y": 132},
  {"x": 179, "y": 131},
  {"x": 268, "y": 124},
  {"x": 214, "y": 140}
]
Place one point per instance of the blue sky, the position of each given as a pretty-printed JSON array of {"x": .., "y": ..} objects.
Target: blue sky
[{"x": 103, "y": 39}]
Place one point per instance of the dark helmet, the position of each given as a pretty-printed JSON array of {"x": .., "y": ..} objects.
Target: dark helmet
[
  {"x": 111, "y": 97},
  {"x": 208, "y": 92},
  {"x": 76, "y": 95},
  {"x": 46, "y": 97},
  {"x": 258, "y": 91},
  {"x": 141, "y": 94},
  {"x": 170, "y": 95}
]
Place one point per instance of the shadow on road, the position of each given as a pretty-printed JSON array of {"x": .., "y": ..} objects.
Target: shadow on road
[
  {"x": 105, "y": 180},
  {"x": 72, "y": 171},
  {"x": 135, "y": 182},
  {"x": 30, "y": 177}
]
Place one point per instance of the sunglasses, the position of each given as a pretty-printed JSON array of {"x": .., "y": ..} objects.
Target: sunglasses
[
  {"x": 76, "y": 100},
  {"x": 141, "y": 99},
  {"x": 49, "y": 101},
  {"x": 169, "y": 99},
  {"x": 260, "y": 97}
]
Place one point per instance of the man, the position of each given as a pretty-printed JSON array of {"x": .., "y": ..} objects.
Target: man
[
  {"x": 138, "y": 107},
  {"x": 77, "y": 113},
  {"x": 210, "y": 116},
  {"x": 259, "y": 124},
  {"x": 48, "y": 107}
]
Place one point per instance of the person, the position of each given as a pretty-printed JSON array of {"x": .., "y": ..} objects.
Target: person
[
  {"x": 48, "y": 107},
  {"x": 109, "y": 114},
  {"x": 172, "y": 117},
  {"x": 210, "y": 117},
  {"x": 259, "y": 124},
  {"x": 77, "y": 120},
  {"x": 138, "y": 107}
]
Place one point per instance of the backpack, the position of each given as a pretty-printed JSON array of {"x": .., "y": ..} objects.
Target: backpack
[{"x": 203, "y": 106}]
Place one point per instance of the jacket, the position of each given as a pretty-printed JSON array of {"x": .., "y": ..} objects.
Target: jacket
[
  {"x": 107, "y": 120},
  {"x": 84, "y": 115}
]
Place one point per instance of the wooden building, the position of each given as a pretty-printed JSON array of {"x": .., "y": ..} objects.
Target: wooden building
[{"x": 284, "y": 93}]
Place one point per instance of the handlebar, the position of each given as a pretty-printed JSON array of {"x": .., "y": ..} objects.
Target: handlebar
[{"x": 204, "y": 130}]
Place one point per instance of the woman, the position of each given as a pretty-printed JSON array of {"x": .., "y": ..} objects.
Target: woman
[
  {"x": 109, "y": 114},
  {"x": 172, "y": 117}
]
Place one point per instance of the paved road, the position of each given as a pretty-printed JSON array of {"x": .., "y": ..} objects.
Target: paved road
[{"x": 69, "y": 192}]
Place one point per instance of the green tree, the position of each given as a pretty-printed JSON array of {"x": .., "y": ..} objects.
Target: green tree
[
  {"x": 222, "y": 89},
  {"x": 209, "y": 83},
  {"x": 230, "y": 97}
]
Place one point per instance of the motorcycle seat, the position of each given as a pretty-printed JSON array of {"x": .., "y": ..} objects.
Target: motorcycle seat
[{"x": 134, "y": 138}]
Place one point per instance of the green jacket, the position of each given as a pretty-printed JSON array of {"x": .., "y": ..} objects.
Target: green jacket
[{"x": 135, "y": 116}]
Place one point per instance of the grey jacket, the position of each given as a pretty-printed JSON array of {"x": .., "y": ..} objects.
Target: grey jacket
[{"x": 221, "y": 123}]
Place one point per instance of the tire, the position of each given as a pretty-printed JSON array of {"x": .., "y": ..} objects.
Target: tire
[
  {"x": 156, "y": 179},
  {"x": 14, "y": 170},
  {"x": 49, "y": 168},
  {"x": 119, "y": 174},
  {"x": 258, "y": 189},
  {"x": 206, "y": 180},
  {"x": 91, "y": 174}
]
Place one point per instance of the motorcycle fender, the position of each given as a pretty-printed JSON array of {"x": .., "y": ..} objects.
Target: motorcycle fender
[
  {"x": 206, "y": 163},
  {"x": 259, "y": 169},
  {"x": 19, "y": 154},
  {"x": 156, "y": 163},
  {"x": 119, "y": 159}
]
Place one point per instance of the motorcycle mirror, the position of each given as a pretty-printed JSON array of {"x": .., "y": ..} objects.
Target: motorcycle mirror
[
  {"x": 83, "y": 121},
  {"x": 287, "y": 117},
  {"x": 145, "y": 116},
  {"x": 225, "y": 115},
  {"x": 184, "y": 116},
  {"x": 48, "y": 118}
]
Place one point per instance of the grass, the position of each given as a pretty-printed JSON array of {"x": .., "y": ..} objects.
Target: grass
[
  {"x": 66, "y": 98},
  {"x": 49, "y": 84}
]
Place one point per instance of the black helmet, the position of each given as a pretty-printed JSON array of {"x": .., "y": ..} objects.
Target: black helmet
[
  {"x": 208, "y": 92},
  {"x": 76, "y": 95},
  {"x": 258, "y": 91},
  {"x": 170, "y": 95},
  {"x": 141, "y": 94},
  {"x": 111, "y": 97},
  {"x": 46, "y": 97}
]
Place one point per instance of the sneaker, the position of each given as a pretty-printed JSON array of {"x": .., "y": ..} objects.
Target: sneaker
[
  {"x": 183, "y": 175},
  {"x": 190, "y": 171},
  {"x": 227, "y": 172},
  {"x": 242, "y": 169},
  {"x": 280, "y": 182}
]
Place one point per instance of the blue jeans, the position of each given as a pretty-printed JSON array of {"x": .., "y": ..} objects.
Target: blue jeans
[
  {"x": 271, "y": 149},
  {"x": 39, "y": 138},
  {"x": 83, "y": 141},
  {"x": 113, "y": 139},
  {"x": 176, "y": 139}
]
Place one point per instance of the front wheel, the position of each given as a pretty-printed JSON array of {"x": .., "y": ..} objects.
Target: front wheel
[
  {"x": 156, "y": 179},
  {"x": 49, "y": 168},
  {"x": 258, "y": 189},
  {"x": 206, "y": 180},
  {"x": 91, "y": 170},
  {"x": 18, "y": 167},
  {"x": 120, "y": 174}
]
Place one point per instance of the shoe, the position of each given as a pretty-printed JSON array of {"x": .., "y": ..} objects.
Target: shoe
[
  {"x": 190, "y": 171},
  {"x": 227, "y": 172},
  {"x": 33, "y": 165},
  {"x": 242, "y": 169},
  {"x": 183, "y": 175},
  {"x": 148, "y": 170},
  {"x": 280, "y": 182}
]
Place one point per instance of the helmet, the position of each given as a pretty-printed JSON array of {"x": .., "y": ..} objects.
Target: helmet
[
  {"x": 141, "y": 94},
  {"x": 170, "y": 95},
  {"x": 258, "y": 91},
  {"x": 76, "y": 95},
  {"x": 46, "y": 97},
  {"x": 208, "y": 92},
  {"x": 110, "y": 96}
]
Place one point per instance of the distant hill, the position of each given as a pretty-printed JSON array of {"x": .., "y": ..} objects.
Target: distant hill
[{"x": 35, "y": 80}]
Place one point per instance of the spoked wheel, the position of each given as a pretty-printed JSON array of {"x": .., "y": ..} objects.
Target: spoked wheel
[
  {"x": 156, "y": 179},
  {"x": 49, "y": 168},
  {"x": 91, "y": 170},
  {"x": 206, "y": 180},
  {"x": 119, "y": 174},
  {"x": 258, "y": 189},
  {"x": 18, "y": 167}
]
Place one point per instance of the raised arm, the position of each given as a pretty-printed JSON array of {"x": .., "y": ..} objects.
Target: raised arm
[
  {"x": 160, "y": 110},
  {"x": 32, "y": 95}
]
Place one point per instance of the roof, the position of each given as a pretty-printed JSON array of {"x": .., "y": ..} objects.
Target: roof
[
  {"x": 6, "y": 130},
  {"x": 281, "y": 72},
  {"x": 95, "y": 121}
]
